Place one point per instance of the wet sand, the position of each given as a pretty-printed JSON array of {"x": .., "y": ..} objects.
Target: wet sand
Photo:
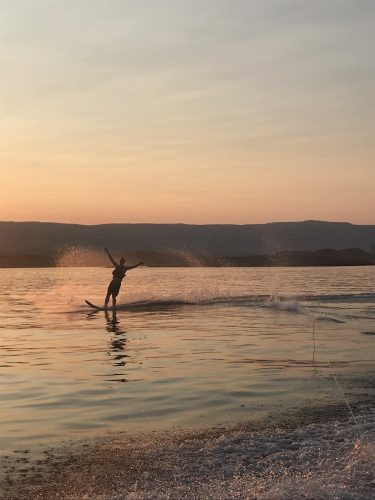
[{"x": 314, "y": 453}]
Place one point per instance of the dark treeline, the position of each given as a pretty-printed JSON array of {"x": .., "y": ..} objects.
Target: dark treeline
[{"x": 324, "y": 257}]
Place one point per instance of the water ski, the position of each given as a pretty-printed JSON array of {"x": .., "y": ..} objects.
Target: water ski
[
  {"x": 97, "y": 308},
  {"x": 132, "y": 306}
]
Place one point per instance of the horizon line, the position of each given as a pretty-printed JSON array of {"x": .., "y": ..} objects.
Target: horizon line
[{"x": 183, "y": 223}]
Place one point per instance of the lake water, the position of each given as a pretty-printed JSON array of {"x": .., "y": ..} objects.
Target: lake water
[{"x": 193, "y": 348}]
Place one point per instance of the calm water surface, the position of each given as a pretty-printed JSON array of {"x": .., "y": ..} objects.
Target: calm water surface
[{"x": 206, "y": 346}]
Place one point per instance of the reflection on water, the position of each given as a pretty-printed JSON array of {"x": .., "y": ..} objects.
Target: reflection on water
[{"x": 117, "y": 343}]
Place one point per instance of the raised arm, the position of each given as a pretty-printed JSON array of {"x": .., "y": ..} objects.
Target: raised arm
[
  {"x": 111, "y": 258},
  {"x": 136, "y": 265}
]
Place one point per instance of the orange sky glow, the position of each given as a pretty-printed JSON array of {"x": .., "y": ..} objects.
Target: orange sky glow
[{"x": 196, "y": 112}]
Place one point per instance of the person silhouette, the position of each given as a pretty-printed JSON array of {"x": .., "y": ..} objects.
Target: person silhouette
[{"x": 118, "y": 274}]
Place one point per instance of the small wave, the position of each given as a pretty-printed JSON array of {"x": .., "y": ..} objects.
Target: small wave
[
  {"x": 323, "y": 317},
  {"x": 290, "y": 305},
  {"x": 155, "y": 304},
  {"x": 365, "y": 297}
]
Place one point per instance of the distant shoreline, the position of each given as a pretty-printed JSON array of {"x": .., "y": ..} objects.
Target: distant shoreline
[{"x": 321, "y": 258}]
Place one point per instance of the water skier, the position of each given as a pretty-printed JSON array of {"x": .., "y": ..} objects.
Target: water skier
[{"x": 118, "y": 275}]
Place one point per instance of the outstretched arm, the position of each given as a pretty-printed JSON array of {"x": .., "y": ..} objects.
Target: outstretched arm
[
  {"x": 136, "y": 265},
  {"x": 111, "y": 258}
]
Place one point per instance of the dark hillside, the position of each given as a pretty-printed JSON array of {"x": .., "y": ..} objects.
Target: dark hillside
[{"x": 40, "y": 238}]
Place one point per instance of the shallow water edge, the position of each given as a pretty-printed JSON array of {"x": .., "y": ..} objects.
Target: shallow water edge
[{"x": 316, "y": 453}]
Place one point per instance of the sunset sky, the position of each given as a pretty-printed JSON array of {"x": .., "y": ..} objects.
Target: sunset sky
[{"x": 209, "y": 111}]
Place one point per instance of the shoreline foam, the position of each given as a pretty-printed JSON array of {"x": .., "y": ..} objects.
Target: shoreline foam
[{"x": 318, "y": 453}]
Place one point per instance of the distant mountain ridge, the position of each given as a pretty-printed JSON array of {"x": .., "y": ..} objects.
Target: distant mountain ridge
[{"x": 219, "y": 240}]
